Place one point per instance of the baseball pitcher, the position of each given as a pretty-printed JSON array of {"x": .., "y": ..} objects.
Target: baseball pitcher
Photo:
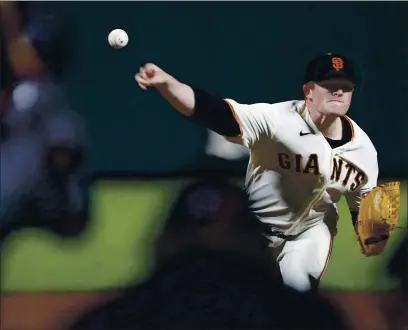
[{"x": 304, "y": 155}]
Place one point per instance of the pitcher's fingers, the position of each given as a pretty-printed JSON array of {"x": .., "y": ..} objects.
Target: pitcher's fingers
[
  {"x": 149, "y": 72},
  {"x": 143, "y": 87},
  {"x": 143, "y": 73},
  {"x": 142, "y": 80}
]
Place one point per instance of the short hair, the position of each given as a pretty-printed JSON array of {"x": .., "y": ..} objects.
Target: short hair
[{"x": 311, "y": 85}]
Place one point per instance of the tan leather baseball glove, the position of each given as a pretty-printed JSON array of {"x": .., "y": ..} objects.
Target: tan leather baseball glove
[{"x": 377, "y": 218}]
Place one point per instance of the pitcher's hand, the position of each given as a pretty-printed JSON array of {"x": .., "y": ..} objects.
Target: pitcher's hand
[{"x": 151, "y": 75}]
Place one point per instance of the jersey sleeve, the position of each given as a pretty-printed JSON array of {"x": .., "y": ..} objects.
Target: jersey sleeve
[
  {"x": 255, "y": 120},
  {"x": 354, "y": 198}
]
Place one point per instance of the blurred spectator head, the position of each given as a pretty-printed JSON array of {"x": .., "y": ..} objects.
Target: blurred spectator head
[
  {"x": 211, "y": 214},
  {"x": 210, "y": 203},
  {"x": 48, "y": 31}
]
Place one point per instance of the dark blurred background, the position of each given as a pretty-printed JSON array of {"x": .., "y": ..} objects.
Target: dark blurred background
[{"x": 142, "y": 211}]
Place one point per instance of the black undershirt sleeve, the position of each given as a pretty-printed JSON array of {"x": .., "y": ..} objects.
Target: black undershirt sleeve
[
  {"x": 354, "y": 217},
  {"x": 215, "y": 114}
]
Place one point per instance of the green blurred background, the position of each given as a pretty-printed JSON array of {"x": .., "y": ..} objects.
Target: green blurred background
[
  {"x": 250, "y": 52},
  {"x": 116, "y": 251}
]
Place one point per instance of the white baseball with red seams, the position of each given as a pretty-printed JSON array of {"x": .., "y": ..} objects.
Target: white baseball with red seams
[{"x": 118, "y": 38}]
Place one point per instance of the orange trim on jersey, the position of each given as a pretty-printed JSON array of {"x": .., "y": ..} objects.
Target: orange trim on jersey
[
  {"x": 236, "y": 118},
  {"x": 327, "y": 259},
  {"x": 352, "y": 127}
]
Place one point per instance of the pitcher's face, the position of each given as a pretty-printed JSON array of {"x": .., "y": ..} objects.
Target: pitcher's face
[{"x": 331, "y": 97}]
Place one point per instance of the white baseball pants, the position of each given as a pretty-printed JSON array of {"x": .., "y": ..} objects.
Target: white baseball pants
[{"x": 303, "y": 259}]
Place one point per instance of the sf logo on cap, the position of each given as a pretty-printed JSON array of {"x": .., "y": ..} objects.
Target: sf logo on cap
[{"x": 338, "y": 63}]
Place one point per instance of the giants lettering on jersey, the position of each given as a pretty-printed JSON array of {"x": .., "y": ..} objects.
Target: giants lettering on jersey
[
  {"x": 312, "y": 164},
  {"x": 341, "y": 172},
  {"x": 347, "y": 174}
]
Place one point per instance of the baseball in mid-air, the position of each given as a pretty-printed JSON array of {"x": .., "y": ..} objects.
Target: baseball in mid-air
[{"x": 118, "y": 38}]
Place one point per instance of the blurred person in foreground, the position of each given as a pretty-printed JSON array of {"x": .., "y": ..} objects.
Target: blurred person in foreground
[
  {"x": 42, "y": 140},
  {"x": 397, "y": 267},
  {"x": 212, "y": 273}
]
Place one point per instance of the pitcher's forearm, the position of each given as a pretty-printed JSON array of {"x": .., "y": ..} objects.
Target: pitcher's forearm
[
  {"x": 208, "y": 110},
  {"x": 179, "y": 95}
]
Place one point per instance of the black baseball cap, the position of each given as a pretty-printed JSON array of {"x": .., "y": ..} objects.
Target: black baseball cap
[{"x": 331, "y": 66}]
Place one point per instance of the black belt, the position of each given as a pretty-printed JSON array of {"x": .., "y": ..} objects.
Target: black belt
[{"x": 280, "y": 235}]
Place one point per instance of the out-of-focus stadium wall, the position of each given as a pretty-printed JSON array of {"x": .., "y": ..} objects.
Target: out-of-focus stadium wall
[{"x": 252, "y": 52}]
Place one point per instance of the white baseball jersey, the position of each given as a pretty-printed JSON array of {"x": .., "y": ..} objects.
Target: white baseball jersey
[{"x": 294, "y": 178}]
